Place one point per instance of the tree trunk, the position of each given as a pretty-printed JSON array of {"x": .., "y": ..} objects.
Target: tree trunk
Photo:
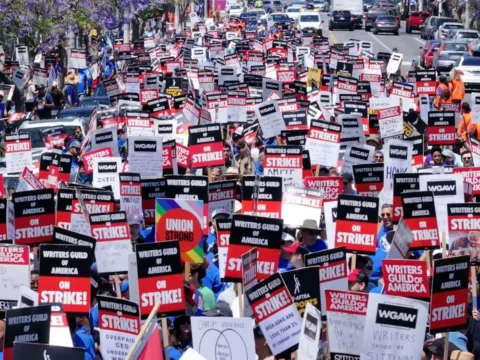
[{"x": 135, "y": 28}]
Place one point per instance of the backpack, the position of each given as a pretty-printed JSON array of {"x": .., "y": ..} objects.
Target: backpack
[{"x": 447, "y": 94}]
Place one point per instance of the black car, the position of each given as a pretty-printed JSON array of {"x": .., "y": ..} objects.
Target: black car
[
  {"x": 282, "y": 20},
  {"x": 341, "y": 19},
  {"x": 385, "y": 24},
  {"x": 372, "y": 16}
]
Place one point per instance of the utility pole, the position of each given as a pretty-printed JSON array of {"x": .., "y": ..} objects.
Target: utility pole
[
  {"x": 440, "y": 5},
  {"x": 467, "y": 15}
]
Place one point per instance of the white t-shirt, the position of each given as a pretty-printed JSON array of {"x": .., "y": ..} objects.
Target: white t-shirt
[{"x": 30, "y": 93}]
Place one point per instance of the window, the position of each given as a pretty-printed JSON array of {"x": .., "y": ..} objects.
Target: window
[
  {"x": 293, "y": 10},
  {"x": 342, "y": 13},
  {"x": 467, "y": 35},
  {"x": 471, "y": 61},
  {"x": 386, "y": 18},
  {"x": 455, "y": 47},
  {"x": 235, "y": 7},
  {"x": 414, "y": 14},
  {"x": 309, "y": 18},
  {"x": 280, "y": 17},
  {"x": 453, "y": 26}
]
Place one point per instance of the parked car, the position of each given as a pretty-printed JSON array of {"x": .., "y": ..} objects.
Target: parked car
[
  {"x": 469, "y": 69},
  {"x": 386, "y": 24},
  {"x": 448, "y": 55},
  {"x": 441, "y": 33},
  {"x": 461, "y": 35},
  {"x": 373, "y": 14},
  {"x": 77, "y": 112},
  {"x": 271, "y": 6},
  {"x": 431, "y": 25},
  {"x": 34, "y": 129},
  {"x": 416, "y": 20},
  {"x": 321, "y": 5},
  {"x": 293, "y": 12},
  {"x": 341, "y": 19},
  {"x": 236, "y": 10},
  {"x": 94, "y": 100},
  {"x": 309, "y": 23},
  {"x": 427, "y": 59},
  {"x": 425, "y": 49},
  {"x": 279, "y": 18},
  {"x": 299, "y": 4}
]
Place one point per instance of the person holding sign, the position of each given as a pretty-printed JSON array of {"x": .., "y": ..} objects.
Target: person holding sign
[
  {"x": 358, "y": 281},
  {"x": 297, "y": 255},
  {"x": 310, "y": 236},
  {"x": 383, "y": 246},
  {"x": 203, "y": 296}
]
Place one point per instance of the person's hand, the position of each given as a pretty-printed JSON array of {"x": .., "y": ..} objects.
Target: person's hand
[{"x": 475, "y": 314}]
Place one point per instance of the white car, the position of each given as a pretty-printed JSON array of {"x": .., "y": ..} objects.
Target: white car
[
  {"x": 469, "y": 68},
  {"x": 309, "y": 22},
  {"x": 320, "y": 5},
  {"x": 441, "y": 33},
  {"x": 293, "y": 12},
  {"x": 262, "y": 14},
  {"x": 299, "y": 4},
  {"x": 235, "y": 10}
]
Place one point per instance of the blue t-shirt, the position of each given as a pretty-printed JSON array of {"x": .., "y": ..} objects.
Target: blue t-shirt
[
  {"x": 82, "y": 338},
  {"x": 212, "y": 280},
  {"x": 377, "y": 290},
  {"x": 82, "y": 81},
  {"x": 70, "y": 91},
  {"x": 282, "y": 264},
  {"x": 318, "y": 246},
  {"x": 174, "y": 353},
  {"x": 380, "y": 254}
]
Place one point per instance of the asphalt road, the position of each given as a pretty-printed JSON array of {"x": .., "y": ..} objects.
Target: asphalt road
[{"x": 407, "y": 44}]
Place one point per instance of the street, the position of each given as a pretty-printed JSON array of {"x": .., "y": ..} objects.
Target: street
[{"x": 407, "y": 44}]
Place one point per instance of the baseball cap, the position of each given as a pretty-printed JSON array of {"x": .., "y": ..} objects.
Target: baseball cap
[
  {"x": 134, "y": 220},
  {"x": 358, "y": 275},
  {"x": 347, "y": 177},
  {"x": 75, "y": 144},
  {"x": 287, "y": 237},
  {"x": 221, "y": 308},
  {"x": 297, "y": 248},
  {"x": 220, "y": 211}
]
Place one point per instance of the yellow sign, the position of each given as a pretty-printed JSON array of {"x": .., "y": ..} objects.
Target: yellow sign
[
  {"x": 408, "y": 129},
  {"x": 174, "y": 92},
  {"x": 314, "y": 74}
]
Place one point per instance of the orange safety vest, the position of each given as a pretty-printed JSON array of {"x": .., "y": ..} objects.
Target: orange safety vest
[
  {"x": 437, "y": 101},
  {"x": 457, "y": 88},
  {"x": 464, "y": 127}
]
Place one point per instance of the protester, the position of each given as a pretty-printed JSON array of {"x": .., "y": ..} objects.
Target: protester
[
  {"x": 358, "y": 281},
  {"x": 43, "y": 103},
  {"x": 383, "y": 245},
  {"x": 244, "y": 159},
  {"x": 309, "y": 236},
  {"x": 378, "y": 157},
  {"x": 203, "y": 297},
  {"x": 297, "y": 253},
  {"x": 30, "y": 94},
  {"x": 348, "y": 184},
  {"x": 135, "y": 223},
  {"x": 71, "y": 95},
  {"x": 467, "y": 158},
  {"x": 456, "y": 86}
]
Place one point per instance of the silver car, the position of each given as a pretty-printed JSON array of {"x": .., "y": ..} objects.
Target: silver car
[{"x": 271, "y": 6}]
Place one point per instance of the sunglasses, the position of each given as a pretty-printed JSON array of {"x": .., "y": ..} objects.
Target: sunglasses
[
  {"x": 386, "y": 215},
  {"x": 345, "y": 183},
  {"x": 467, "y": 158},
  {"x": 378, "y": 157},
  {"x": 369, "y": 267}
]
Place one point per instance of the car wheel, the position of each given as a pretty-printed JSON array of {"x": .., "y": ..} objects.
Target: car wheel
[
  {"x": 351, "y": 28},
  {"x": 375, "y": 32},
  {"x": 330, "y": 27},
  {"x": 367, "y": 29},
  {"x": 408, "y": 30},
  {"x": 396, "y": 33}
]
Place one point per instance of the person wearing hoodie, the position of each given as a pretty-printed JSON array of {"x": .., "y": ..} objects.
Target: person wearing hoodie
[{"x": 382, "y": 243}]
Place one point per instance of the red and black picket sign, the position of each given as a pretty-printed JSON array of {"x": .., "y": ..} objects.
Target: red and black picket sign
[
  {"x": 67, "y": 237},
  {"x": 294, "y": 137},
  {"x": 160, "y": 278},
  {"x": 248, "y": 232},
  {"x": 426, "y": 82},
  {"x": 448, "y": 306},
  {"x": 417, "y": 150},
  {"x": 441, "y": 128},
  {"x": 402, "y": 90},
  {"x": 20, "y": 327},
  {"x": 151, "y": 189},
  {"x": 206, "y": 145},
  {"x": 112, "y": 226},
  {"x": 368, "y": 179},
  {"x": 262, "y": 196},
  {"x": 44, "y": 168},
  {"x": 158, "y": 107},
  {"x": 250, "y": 132},
  {"x": 402, "y": 184},
  {"x": 296, "y": 120},
  {"x": 288, "y": 104},
  {"x": 303, "y": 287},
  {"x": 106, "y": 118},
  {"x": 420, "y": 216},
  {"x": 357, "y": 223},
  {"x": 348, "y": 98},
  {"x": 64, "y": 168},
  {"x": 407, "y": 278},
  {"x": 3, "y": 220},
  {"x": 118, "y": 315},
  {"x": 347, "y": 83},
  {"x": 68, "y": 205},
  {"x": 54, "y": 136},
  {"x": 221, "y": 192},
  {"x": 332, "y": 186},
  {"x": 65, "y": 277},
  {"x": 34, "y": 216}
]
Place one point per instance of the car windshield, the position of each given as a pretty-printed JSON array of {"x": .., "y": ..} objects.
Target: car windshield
[
  {"x": 36, "y": 134},
  {"x": 236, "y": 7},
  {"x": 280, "y": 17},
  {"x": 414, "y": 14},
  {"x": 471, "y": 61},
  {"x": 386, "y": 18},
  {"x": 423, "y": 15},
  {"x": 93, "y": 101},
  {"x": 455, "y": 47},
  {"x": 293, "y": 10},
  {"x": 468, "y": 35},
  {"x": 299, "y": 3},
  {"x": 277, "y": 3},
  {"x": 309, "y": 18},
  {"x": 442, "y": 21},
  {"x": 453, "y": 26},
  {"x": 79, "y": 112}
]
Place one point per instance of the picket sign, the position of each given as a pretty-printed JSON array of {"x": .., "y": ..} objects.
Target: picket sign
[{"x": 143, "y": 330}]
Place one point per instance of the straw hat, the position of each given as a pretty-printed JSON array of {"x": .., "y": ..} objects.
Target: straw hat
[{"x": 71, "y": 79}]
